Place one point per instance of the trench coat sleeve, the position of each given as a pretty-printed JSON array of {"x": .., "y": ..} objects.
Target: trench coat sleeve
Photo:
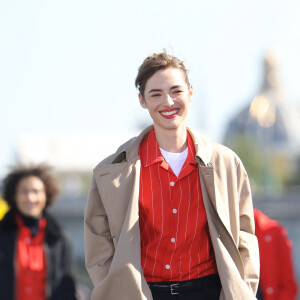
[
  {"x": 248, "y": 245},
  {"x": 99, "y": 248}
]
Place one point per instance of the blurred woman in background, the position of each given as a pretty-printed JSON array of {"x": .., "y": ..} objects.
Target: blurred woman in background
[
  {"x": 277, "y": 272},
  {"x": 35, "y": 256}
]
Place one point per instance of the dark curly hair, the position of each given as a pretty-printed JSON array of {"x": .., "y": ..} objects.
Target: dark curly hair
[
  {"x": 154, "y": 63},
  {"x": 42, "y": 171}
]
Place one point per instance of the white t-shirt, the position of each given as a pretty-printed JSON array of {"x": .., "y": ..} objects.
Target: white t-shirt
[{"x": 175, "y": 160}]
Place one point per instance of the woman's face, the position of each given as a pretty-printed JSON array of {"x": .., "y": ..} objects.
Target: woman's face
[
  {"x": 167, "y": 97},
  {"x": 31, "y": 196}
]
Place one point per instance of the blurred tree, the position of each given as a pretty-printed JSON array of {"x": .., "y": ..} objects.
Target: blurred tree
[
  {"x": 267, "y": 171},
  {"x": 294, "y": 176},
  {"x": 250, "y": 153}
]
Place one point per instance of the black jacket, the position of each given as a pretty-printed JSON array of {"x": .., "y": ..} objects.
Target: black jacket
[{"x": 60, "y": 284}]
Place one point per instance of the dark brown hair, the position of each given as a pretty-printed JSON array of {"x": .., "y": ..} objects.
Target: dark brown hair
[
  {"x": 42, "y": 171},
  {"x": 154, "y": 63}
]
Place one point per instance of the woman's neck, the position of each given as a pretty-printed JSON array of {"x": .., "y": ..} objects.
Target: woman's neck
[
  {"x": 172, "y": 140},
  {"x": 31, "y": 222}
]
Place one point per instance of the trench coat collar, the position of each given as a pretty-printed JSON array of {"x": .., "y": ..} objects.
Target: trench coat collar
[
  {"x": 131, "y": 148},
  {"x": 202, "y": 146}
]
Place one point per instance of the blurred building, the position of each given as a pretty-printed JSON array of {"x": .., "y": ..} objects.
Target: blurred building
[{"x": 265, "y": 134}]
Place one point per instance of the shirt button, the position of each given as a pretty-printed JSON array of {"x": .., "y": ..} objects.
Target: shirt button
[
  {"x": 174, "y": 210},
  {"x": 173, "y": 240},
  {"x": 28, "y": 290},
  {"x": 172, "y": 183},
  {"x": 167, "y": 267},
  {"x": 269, "y": 290},
  {"x": 268, "y": 238},
  {"x": 27, "y": 240}
]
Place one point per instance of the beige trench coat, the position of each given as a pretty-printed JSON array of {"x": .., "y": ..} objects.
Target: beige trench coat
[{"x": 112, "y": 233}]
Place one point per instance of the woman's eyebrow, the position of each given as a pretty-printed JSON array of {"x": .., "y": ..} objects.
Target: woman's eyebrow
[
  {"x": 175, "y": 87},
  {"x": 159, "y": 90},
  {"x": 154, "y": 90}
]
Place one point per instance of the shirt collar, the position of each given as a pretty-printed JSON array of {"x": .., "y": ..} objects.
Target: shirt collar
[
  {"x": 130, "y": 149},
  {"x": 150, "y": 152},
  {"x": 192, "y": 152}
]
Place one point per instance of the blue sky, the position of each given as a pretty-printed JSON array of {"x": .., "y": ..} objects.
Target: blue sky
[{"x": 70, "y": 66}]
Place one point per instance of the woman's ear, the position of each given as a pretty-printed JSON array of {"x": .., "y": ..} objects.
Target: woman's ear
[
  {"x": 191, "y": 93},
  {"x": 142, "y": 101}
]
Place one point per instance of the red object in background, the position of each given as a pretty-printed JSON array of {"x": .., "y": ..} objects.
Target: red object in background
[
  {"x": 31, "y": 266},
  {"x": 277, "y": 275}
]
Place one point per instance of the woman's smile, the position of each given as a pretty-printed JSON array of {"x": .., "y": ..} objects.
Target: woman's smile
[{"x": 169, "y": 113}]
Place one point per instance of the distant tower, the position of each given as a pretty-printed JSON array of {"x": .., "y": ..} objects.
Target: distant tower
[{"x": 266, "y": 133}]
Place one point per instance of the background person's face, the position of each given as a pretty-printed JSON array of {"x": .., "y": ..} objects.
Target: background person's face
[{"x": 31, "y": 196}]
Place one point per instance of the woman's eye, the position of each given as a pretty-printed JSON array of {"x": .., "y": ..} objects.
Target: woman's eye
[
  {"x": 155, "y": 95},
  {"x": 178, "y": 91}
]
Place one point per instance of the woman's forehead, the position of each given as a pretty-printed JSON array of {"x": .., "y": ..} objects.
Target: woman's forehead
[{"x": 165, "y": 78}]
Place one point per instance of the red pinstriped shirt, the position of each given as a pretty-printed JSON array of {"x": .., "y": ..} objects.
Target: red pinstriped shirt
[{"x": 175, "y": 241}]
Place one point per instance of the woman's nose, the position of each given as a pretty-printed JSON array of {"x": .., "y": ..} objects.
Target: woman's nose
[
  {"x": 31, "y": 196},
  {"x": 168, "y": 100}
]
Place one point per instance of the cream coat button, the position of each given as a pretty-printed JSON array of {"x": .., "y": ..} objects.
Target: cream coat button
[
  {"x": 167, "y": 267},
  {"x": 173, "y": 240},
  {"x": 174, "y": 210},
  {"x": 172, "y": 183}
]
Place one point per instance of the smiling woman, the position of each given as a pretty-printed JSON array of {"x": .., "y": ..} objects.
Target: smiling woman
[
  {"x": 170, "y": 212},
  {"x": 35, "y": 255},
  {"x": 31, "y": 197}
]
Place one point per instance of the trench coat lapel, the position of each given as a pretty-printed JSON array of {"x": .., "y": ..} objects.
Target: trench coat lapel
[
  {"x": 120, "y": 189},
  {"x": 214, "y": 202},
  {"x": 119, "y": 186},
  {"x": 203, "y": 158},
  {"x": 207, "y": 174}
]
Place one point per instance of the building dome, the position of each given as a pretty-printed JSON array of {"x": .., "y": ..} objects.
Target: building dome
[{"x": 269, "y": 118}]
